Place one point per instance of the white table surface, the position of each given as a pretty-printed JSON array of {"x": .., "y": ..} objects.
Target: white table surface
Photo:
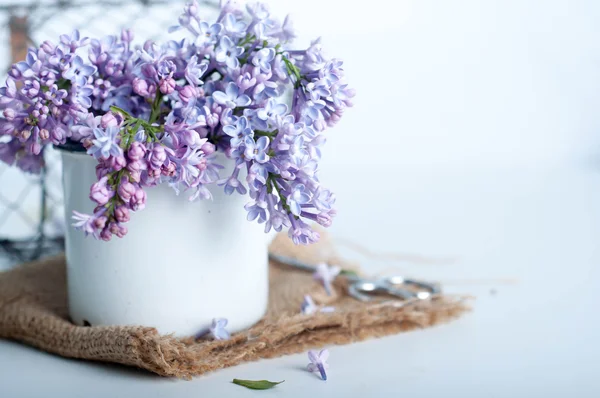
[{"x": 525, "y": 243}]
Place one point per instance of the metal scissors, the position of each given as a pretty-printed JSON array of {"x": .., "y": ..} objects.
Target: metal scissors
[{"x": 362, "y": 288}]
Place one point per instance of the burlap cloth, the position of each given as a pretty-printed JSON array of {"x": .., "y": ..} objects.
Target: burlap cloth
[{"x": 33, "y": 310}]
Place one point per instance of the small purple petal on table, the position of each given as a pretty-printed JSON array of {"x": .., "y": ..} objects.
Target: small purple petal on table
[
  {"x": 309, "y": 307},
  {"x": 318, "y": 362},
  {"x": 216, "y": 330},
  {"x": 326, "y": 275}
]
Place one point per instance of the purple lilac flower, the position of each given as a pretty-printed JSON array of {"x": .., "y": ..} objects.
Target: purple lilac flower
[
  {"x": 245, "y": 81},
  {"x": 257, "y": 150},
  {"x": 55, "y": 95},
  {"x": 27, "y": 68},
  {"x": 61, "y": 57},
  {"x": 74, "y": 40},
  {"x": 208, "y": 33},
  {"x": 127, "y": 35},
  {"x": 233, "y": 184},
  {"x": 100, "y": 192},
  {"x": 187, "y": 94},
  {"x": 232, "y": 97},
  {"x": 138, "y": 200},
  {"x": 105, "y": 143},
  {"x": 165, "y": 68},
  {"x": 287, "y": 32},
  {"x": 263, "y": 59},
  {"x": 260, "y": 172},
  {"x": 260, "y": 19},
  {"x": 9, "y": 94},
  {"x": 195, "y": 70},
  {"x": 312, "y": 109},
  {"x": 280, "y": 69},
  {"x": 82, "y": 97},
  {"x": 157, "y": 157},
  {"x": 233, "y": 26},
  {"x": 173, "y": 116},
  {"x": 89, "y": 224},
  {"x": 323, "y": 199},
  {"x": 277, "y": 218},
  {"x": 101, "y": 88},
  {"x": 342, "y": 95},
  {"x": 201, "y": 192},
  {"x": 126, "y": 191},
  {"x": 238, "y": 131},
  {"x": 231, "y": 6},
  {"x": 318, "y": 362},
  {"x": 301, "y": 233},
  {"x": 317, "y": 89},
  {"x": 136, "y": 151},
  {"x": 309, "y": 307},
  {"x": 326, "y": 275},
  {"x": 86, "y": 128},
  {"x": 258, "y": 209},
  {"x": 303, "y": 164},
  {"x": 111, "y": 119},
  {"x": 167, "y": 85},
  {"x": 298, "y": 197},
  {"x": 265, "y": 91},
  {"x": 30, "y": 163},
  {"x": 271, "y": 110},
  {"x": 258, "y": 11},
  {"x": 331, "y": 72},
  {"x": 227, "y": 52},
  {"x": 189, "y": 167},
  {"x": 255, "y": 122},
  {"x": 217, "y": 329},
  {"x": 9, "y": 150},
  {"x": 79, "y": 72}
]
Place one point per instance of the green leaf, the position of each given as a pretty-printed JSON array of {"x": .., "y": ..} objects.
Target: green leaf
[
  {"x": 63, "y": 84},
  {"x": 119, "y": 110},
  {"x": 256, "y": 384},
  {"x": 347, "y": 272}
]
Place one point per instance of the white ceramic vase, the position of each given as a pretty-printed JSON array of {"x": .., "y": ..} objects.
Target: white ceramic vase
[{"x": 181, "y": 264}]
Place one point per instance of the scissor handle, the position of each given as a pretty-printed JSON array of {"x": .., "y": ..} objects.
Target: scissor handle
[
  {"x": 358, "y": 289},
  {"x": 358, "y": 286},
  {"x": 429, "y": 288}
]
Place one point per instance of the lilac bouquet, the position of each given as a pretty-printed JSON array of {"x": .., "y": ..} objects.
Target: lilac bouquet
[{"x": 162, "y": 113}]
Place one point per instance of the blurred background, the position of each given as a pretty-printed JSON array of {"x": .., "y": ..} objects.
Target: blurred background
[{"x": 445, "y": 90}]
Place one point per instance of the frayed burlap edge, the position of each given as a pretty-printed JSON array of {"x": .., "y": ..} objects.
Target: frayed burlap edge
[{"x": 31, "y": 312}]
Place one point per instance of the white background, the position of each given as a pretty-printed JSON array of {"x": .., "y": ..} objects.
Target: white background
[{"x": 474, "y": 136}]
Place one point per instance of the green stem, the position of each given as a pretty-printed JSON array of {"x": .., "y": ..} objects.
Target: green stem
[
  {"x": 272, "y": 184},
  {"x": 123, "y": 112},
  {"x": 155, "y": 113},
  {"x": 130, "y": 127},
  {"x": 248, "y": 39},
  {"x": 292, "y": 70},
  {"x": 63, "y": 84},
  {"x": 271, "y": 134}
]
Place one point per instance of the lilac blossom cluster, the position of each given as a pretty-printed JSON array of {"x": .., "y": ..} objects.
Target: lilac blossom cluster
[{"x": 161, "y": 114}]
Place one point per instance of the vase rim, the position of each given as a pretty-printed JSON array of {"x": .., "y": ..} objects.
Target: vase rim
[{"x": 71, "y": 146}]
